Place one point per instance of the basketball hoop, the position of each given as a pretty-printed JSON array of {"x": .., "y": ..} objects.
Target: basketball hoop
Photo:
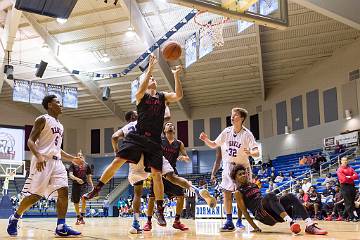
[{"x": 213, "y": 27}]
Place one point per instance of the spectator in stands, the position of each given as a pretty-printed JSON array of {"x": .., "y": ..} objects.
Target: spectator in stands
[
  {"x": 302, "y": 196},
  {"x": 262, "y": 172},
  {"x": 272, "y": 186},
  {"x": 329, "y": 179},
  {"x": 280, "y": 178},
  {"x": 306, "y": 185},
  {"x": 347, "y": 176},
  {"x": 339, "y": 148},
  {"x": 327, "y": 198},
  {"x": 314, "y": 202},
  {"x": 296, "y": 187},
  {"x": 338, "y": 206},
  {"x": 291, "y": 175},
  {"x": 357, "y": 201}
]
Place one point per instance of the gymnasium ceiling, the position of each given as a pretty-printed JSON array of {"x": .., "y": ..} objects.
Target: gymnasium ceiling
[{"x": 232, "y": 73}]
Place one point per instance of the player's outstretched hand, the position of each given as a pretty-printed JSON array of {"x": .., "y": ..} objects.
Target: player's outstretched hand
[
  {"x": 256, "y": 230},
  {"x": 203, "y": 136},
  {"x": 177, "y": 69},
  {"x": 78, "y": 161},
  {"x": 152, "y": 61}
]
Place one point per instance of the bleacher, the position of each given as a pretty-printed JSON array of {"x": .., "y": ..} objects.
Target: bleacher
[{"x": 16, "y": 186}]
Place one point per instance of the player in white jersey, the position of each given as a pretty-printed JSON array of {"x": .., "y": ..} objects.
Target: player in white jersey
[
  {"x": 237, "y": 144},
  {"x": 47, "y": 172}
]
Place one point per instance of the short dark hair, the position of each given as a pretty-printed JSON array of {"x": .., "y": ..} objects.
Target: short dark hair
[
  {"x": 47, "y": 99},
  {"x": 235, "y": 170},
  {"x": 129, "y": 115}
]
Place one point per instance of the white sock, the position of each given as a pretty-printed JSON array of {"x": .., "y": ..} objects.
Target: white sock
[
  {"x": 308, "y": 222},
  {"x": 60, "y": 226},
  {"x": 288, "y": 219},
  {"x": 136, "y": 216},
  {"x": 355, "y": 214}
]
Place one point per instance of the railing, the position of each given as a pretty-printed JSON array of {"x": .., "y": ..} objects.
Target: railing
[
  {"x": 332, "y": 163},
  {"x": 290, "y": 182},
  {"x": 113, "y": 195}
]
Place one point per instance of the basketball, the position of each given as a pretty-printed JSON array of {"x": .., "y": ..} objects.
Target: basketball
[{"x": 171, "y": 51}]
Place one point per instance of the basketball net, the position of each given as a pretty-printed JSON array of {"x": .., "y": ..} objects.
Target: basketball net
[{"x": 211, "y": 27}]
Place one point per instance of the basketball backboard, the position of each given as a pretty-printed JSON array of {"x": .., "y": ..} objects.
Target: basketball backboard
[
  {"x": 9, "y": 168},
  {"x": 271, "y": 13}
]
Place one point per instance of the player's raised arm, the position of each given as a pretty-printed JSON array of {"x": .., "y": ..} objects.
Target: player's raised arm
[
  {"x": 178, "y": 94},
  {"x": 144, "y": 84},
  {"x": 204, "y": 137}
]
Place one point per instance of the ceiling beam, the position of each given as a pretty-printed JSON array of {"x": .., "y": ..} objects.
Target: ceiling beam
[
  {"x": 346, "y": 12},
  {"x": 260, "y": 67},
  {"x": 144, "y": 32},
  {"x": 91, "y": 85},
  {"x": 7, "y": 39}
]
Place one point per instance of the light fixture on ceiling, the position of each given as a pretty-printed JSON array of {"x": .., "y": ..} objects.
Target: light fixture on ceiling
[
  {"x": 130, "y": 30},
  {"x": 61, "y": 20},
  {"x": 348, "y": 114},
  {"x": 45, "y": 48},
  {"x": 287, "y": 130},
  {"x": 105, "y": 58}
]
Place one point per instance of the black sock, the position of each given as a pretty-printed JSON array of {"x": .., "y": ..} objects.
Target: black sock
[
  {"x": 159, "y": 204},
  {"x": 177, "y": 217},
  {"x": 149, "y": 218},
  {"x": 99, "y": 185},
  {"x": 82, "y": 214}
]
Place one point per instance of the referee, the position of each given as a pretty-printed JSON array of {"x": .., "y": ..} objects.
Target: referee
[{"x": 190, "y": 196}]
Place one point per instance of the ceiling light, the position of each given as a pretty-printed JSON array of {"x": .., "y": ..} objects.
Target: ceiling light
[
  {"x": 347, "y": 114},
  {"x": 105, "y": 58},
  {"x": 45, "y": 48},
  {"x": 287, "y": 130},
  {"x": 61, "y": 20}
]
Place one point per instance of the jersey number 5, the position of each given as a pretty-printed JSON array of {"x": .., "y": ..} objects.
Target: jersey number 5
[{"x": 232, "y": 152}]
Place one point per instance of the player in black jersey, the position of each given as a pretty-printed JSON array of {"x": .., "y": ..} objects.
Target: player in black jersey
[
  {"x": 147, "y": 139},
  {"x": 171, "y": 147},
  {"x": 270, "y": 209}
]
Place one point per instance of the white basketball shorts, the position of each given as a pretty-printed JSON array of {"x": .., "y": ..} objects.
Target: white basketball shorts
[
  {"x": 137, "y": 171},
  {"x": 226, "y": 182},
  {"x": 46, "y": 182}
]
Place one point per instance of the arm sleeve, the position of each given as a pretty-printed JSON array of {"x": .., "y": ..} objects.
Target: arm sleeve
[
  {"x": 341, "y": 176},
  {"x": 252, "y": 142},
  {"x": 221, "y": 138},
  {"x": 354, "y": 176}
]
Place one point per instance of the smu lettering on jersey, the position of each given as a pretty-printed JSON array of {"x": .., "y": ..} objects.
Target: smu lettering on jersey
[
  {"x": 233, "y": 145},
  {"x": 51, "y": 137},
  {"x": 130, "y": 127}
]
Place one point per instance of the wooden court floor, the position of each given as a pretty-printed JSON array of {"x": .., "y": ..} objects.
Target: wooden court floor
[{"x": 117, "y": 228}]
